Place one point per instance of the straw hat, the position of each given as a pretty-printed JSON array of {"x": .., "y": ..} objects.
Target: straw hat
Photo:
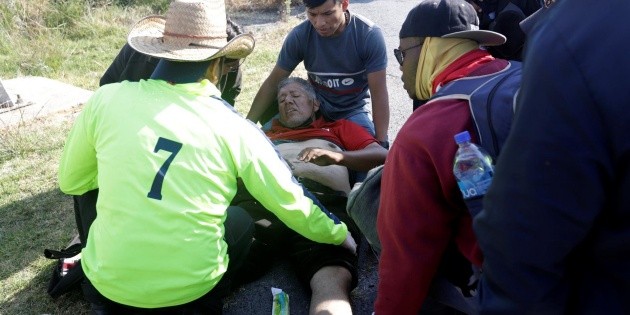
[{"x": 193, "y": 30}]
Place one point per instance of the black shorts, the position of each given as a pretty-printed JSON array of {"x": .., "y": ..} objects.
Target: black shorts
[{"x": 275, "y": 240}]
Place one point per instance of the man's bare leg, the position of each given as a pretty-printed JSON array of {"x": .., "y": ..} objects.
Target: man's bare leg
[{"x": 331, "y": 291}]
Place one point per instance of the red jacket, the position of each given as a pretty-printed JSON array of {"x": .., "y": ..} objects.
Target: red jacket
[{"x": 421, "y": 208}]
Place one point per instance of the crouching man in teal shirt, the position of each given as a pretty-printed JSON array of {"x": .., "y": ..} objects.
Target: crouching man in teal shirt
[{"x": 167, "y": 167}]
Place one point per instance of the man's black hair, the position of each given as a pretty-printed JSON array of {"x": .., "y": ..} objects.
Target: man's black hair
[
  {"x": 316, "y": 3},
  {"x": 233, "y": 29}
]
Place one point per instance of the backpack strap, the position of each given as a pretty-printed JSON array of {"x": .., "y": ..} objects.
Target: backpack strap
[
  {"x": 493, "y": 109},
  {"x": 70, "y": 251},
  {"x": 491, "y": 99},
  {"x": 61, "y": 283}
]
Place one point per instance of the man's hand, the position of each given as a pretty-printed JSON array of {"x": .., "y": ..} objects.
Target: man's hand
[
  {"x": 319, "y": 156},
  {"x": 349, "y": 243}
]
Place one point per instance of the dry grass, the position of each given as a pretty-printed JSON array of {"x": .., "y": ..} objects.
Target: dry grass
[
  {"x": 269, "y": 5},
  {"x": 73, "y": 46},
  {"x": 75, "y": 40}
]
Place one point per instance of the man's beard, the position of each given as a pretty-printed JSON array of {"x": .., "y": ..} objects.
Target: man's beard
[{"x": 297, "y": 124}]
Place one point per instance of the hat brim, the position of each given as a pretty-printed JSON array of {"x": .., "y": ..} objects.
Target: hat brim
[
  {"x": 147, "y": 37},
  {"x": 483, "y": 37}
]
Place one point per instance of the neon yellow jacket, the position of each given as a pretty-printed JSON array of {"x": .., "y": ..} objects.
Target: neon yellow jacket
[{"x": 166, "y": 159}]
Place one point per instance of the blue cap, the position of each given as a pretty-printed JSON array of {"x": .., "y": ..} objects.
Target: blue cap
[{"x": 462, "y": 137}]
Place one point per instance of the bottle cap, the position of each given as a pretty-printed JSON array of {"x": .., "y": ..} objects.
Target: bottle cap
[{"x": 462, "y": 137}]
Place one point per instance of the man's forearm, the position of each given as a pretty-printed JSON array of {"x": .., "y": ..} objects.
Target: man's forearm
[
  {"x": 365, "y": 159},
  {"x": 381, "y": 122},
  {"x": 380, "y": 104}
]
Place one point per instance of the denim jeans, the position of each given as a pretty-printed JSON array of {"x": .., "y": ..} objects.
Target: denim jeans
[{"x": 364, "y": 120}]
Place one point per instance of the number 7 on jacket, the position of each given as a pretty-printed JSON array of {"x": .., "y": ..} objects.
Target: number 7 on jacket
[{"x": 166, "y": 145}]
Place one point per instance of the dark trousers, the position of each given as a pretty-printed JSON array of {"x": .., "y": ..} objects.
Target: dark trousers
[{"x": 275, "y": 240}]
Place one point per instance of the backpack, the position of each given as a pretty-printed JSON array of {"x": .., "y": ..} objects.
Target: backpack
[
  {"x": 362, "y": 205},
  {"x": 492, "y": 101},
  {"x": 67, "y": 273}
]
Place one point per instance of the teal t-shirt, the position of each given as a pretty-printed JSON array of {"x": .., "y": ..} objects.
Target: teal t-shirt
[{"x": 165, "y": 159}]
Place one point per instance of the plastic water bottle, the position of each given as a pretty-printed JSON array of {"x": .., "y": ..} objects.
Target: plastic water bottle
[{"x": 472, "y": 168}]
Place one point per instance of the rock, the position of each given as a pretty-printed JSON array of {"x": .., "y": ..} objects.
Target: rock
[
  {"x": 5, "y": 100},
  {"x": 37, "y": 97}
]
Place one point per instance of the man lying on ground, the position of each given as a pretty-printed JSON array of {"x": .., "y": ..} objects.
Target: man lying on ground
[
  {"x": 321, "y": 155},
  {"x": 339, "y": 144}
]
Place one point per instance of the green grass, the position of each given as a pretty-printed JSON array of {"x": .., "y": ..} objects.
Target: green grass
[
  {"x": 34, "y": 215},
  {"x": 74, "y": 45}
]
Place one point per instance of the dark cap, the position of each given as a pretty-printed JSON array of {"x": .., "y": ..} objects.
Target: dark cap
[
  {"x": 313, "y": 3},
  {"x": 447, "y": 19}
]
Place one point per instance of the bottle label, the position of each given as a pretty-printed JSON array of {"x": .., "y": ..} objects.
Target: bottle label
[{"x": 478, "y": 187}]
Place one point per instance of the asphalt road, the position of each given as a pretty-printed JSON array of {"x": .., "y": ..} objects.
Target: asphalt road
[
  {"x": 256, "y": 297},
  {"x": 389, "y": 15}
]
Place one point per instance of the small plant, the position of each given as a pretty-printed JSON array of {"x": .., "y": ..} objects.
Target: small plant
[
  {"x": 285, "y": 10},
  {"x": 28, "y": 137}
]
